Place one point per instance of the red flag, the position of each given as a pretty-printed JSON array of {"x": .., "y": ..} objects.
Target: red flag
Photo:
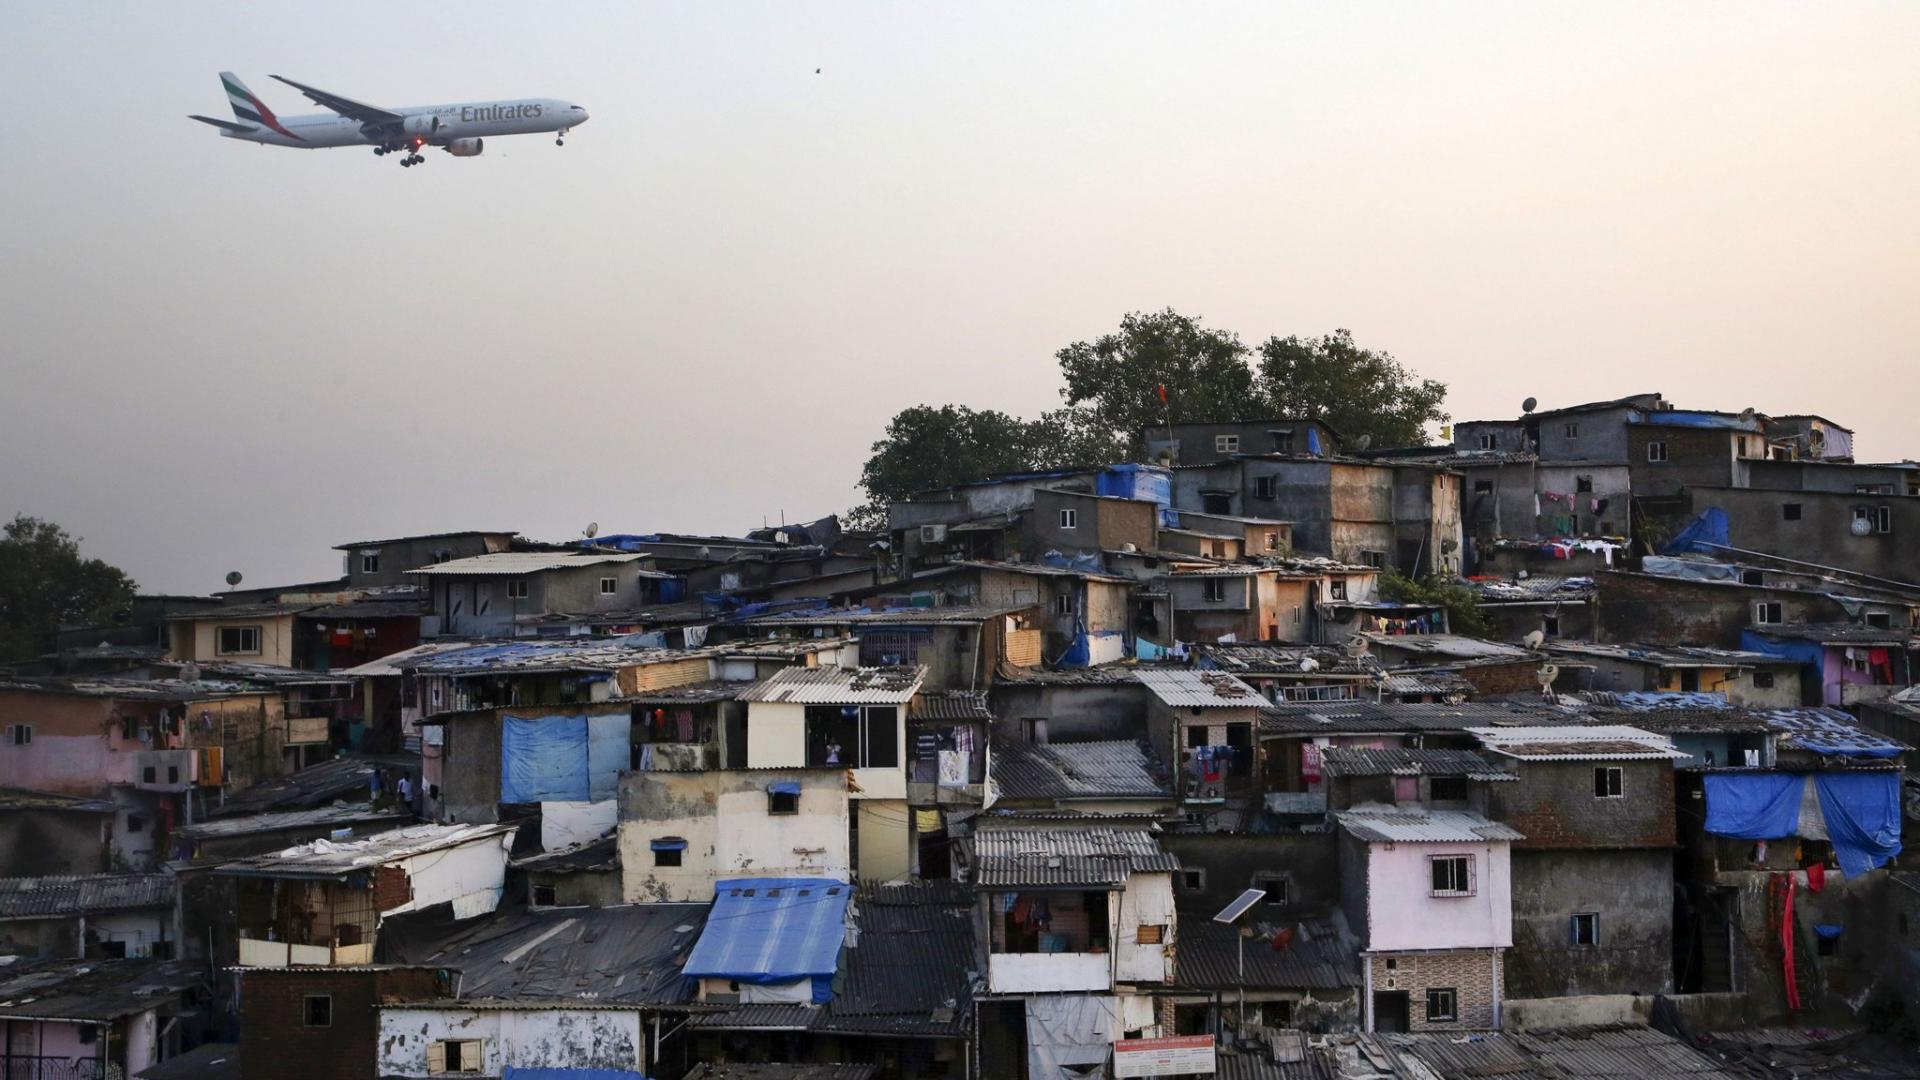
[{"x": 1163, "y": 393}]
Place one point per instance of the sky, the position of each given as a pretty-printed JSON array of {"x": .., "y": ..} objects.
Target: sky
[{"x": 699, "y": 313}]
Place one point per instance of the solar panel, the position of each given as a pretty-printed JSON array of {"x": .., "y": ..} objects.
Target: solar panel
[{"x": 1240, "y": 905}]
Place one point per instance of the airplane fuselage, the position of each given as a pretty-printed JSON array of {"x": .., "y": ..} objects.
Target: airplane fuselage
[{"x": 432, "y": 125}]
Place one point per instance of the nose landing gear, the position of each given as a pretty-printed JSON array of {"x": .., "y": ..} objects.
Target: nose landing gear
[{"x": 561, "y": 139}]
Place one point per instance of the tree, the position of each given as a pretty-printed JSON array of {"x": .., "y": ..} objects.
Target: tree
[
  {"x": 46, "y": 584},
  {"x": 1117, "y": 377},
  {"x": 929, "y": 447},
  {"x": 1462, "y": 606},
  {"x": 1356, "y": 391}
]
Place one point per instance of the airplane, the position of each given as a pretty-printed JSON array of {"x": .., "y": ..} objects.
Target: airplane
[{"x": 460, "y": 129}]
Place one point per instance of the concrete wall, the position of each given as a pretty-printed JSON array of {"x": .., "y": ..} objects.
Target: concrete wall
[
  {"x": 199, "y": 639},
  {"x": 1831, "y": 476},
  {"x": 1509, "y": 436},
  {"x": 777, "y": 739},
  {"x": 886, "y": 840},
  {"x": 729, "y": 833},
  {"x": 1822, "y": 534},
  {"x": 277, "y": 1044},
  {"x": 519, "y": 1038},
  {"x": 1640, "y": 607},
  {"x": 1401, "y": 913},
  {"x": 470, "y": 769},
  {"x": 74, "y": 744},
  {"x": 1696, "y": 457},
  {"x": 1552, "y": 804},
  {"x": 402, "y": 555},
  {"x": 1630, "y": 891},
  {"x": 1601, "y": 435},
  {"x": 1197, "y": 443},
  {"x": 1229, "y": 862},
  {"x": 1074, "y": 713},
  {"x": 1602, "y": 511}
]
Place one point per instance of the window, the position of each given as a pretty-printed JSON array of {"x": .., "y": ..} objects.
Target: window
[
  {"x": 150, "y": 774},
  {"x": 1226, "y": 444},
  {"x": 20, "y": 734},
  {"x": 1215, "y": 590},
  {"x": 849, "y": 736},
  {"x": 1489, "y": 441},
  {"x": 1583, "y": 484},
  {"x": 1452, "y": 874},
  {"x": 1282, "y": 442},
  {"x": 1197, "y": 735},
  {"x": 1443, "y": 1005},
  {"x": 1550, "y": 625},
  {"x": 1483, "y": 487},
  {"x": 1656, "y": 451},
  {"x": 543, "y": 896},
  {"x": 1375, "y": 559},
  {"x": 1265, "y": 487},
  {"x": 609, "y": 586},
  {"x": 1036, "y": 727},
  {"x": 1880, "y": 620},
  {"x": 1586, "y": 928},
  {"x": 668, "y": 852},
  {"x": 1607, "y": 780},
  {"x": 1337, "y": 588},
  {"x": 455, "y": 1056},
  {"x": 319, "y": 1010},
  {"x": 1151, "y": 934},
  {"x": 173, "y": 774},
  {"x": 88, "y": 1034},
  {"x": 1277, "y": 886},
  {"x": 1752, "y": 577},
  {"x": 1272, "y": 541},
  {"x": 1766, "y": 612},
  {"x": 517, "y": 589},
  {"x": 1447, "y": 789},
  {"x": 1790, "y": 511},
  {"x": 1193, "y": 878},
  {"x": 136, "y": 823},
  {"x": 1883, "y": 519},
  {"x": 1573, "y": 431},
  {"x": 1063, "y": 604},
  {"x": 1763, "y": 680},
  {"x": 238, "y": 639},
  {"x": 369, "y": 564},
  {"x": 1069, "y": 519},
  {"x": 782, "y": 801}
]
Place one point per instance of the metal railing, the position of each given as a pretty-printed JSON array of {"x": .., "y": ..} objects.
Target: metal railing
[{"x": 14, "y": 1067}]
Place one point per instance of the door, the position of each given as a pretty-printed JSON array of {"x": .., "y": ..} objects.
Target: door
[{"x": 1390, "y": 1010}]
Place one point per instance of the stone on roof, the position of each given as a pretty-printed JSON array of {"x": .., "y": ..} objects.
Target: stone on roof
[{"x": 839, "y": 686}]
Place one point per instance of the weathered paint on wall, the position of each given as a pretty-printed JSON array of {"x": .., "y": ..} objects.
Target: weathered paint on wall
[
  {"x": 1147, "y": 900},
  {"x": 1402, "y": 913},
  {"x": 724, "y": 818},
  {"x": 517, "y": 1038}
]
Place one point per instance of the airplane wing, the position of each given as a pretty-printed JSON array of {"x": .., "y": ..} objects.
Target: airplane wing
[{"x": 347, "y": 107}]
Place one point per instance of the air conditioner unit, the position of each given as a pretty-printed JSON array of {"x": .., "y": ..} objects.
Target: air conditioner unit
[{"x": 933, "y": 534}]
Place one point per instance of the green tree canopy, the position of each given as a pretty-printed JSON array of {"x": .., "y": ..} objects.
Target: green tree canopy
[
  {"x": 1117, "y": 377},
  {"x": 1357, "y": 391},
  {"x": 45, "y": 583}
]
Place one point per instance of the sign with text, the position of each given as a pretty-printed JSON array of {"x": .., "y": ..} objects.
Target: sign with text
[{"x": 1181, "y": 1056}]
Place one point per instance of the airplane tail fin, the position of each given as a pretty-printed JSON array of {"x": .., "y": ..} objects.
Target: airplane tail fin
[{"x": 249, "y": 108}]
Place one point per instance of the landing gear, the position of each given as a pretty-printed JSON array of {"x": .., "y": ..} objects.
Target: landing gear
[
  {"x": 411, "y": 160},
  {"x": 561, "y": 139}
]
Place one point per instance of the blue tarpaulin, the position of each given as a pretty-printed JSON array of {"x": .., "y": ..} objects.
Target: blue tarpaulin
[
  {"x": 1753, "y": 805},
  {"x": 563, "y": 758},
  {"x": 572, "y": 1074},
  {"x": 774, "y": 930},
  {"x": 1148, "y": 483},
  {"x": 669, "y": 843},
  {"x": 784, "y": 787},
  {"x": 1705, "y": 530},
  {"x": 544, "y": 759},
  {"x": 1313, "y": 442},
  {"x": 1863, "y": 817}
]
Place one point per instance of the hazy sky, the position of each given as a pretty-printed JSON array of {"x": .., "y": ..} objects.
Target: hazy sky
[{"x": 702, "y": 310}]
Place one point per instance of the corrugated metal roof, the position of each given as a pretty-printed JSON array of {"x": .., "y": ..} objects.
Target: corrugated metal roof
[
  {"x": 759, "y": 1018},
  {"x": 950, "y": 705},
  {"x": 82, "y": 894},
  {"x": 1114, "y": 769},
  {"x": 1376, "y": 717},
  {"x": 93, "y": 989},
  {"x": 547, "y": 654},
  {"x": 1208, "y": 956},
  {"x": 1040, "y": 858},
  {"x": 1185, "y": 688},
  {"x": 910, "y": 616},
  {"x": 1828, "y": 731},
  {"x": 839, "y": 686},
  {"x": 772, "y": 930},
  {"x": 912, "y": 971},
  {"x": 1597, "y": 742},
  {"x": 629, "y": 954},
  {"x": 1388, "y": 825},
  {"x": 327, "y": 859},
  {"x": 348, "y": 778},
  {"x": 1448, "y": 646},
  {"x": 208, "y": 1061},
  {"x": 515, "y": 563},
  {"x": 1407, "y": 761},
  {"x": 281, "y": 821}
]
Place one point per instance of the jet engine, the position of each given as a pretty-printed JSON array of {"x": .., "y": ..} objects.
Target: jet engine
[
  {"x": 465, "y": 147},
  {"x": 423, "y": 127}
]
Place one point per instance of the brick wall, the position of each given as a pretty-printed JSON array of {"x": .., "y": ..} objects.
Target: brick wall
[
  {"x": 1519, "y": 677},
  {"x": 1473, "y": 974},
  {"x": 1639, "y": 607},
  {"x": 1553, "y": 805},
  {"x": 276, "y": 1041}
]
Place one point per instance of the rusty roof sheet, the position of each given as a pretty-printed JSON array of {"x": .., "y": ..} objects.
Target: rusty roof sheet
[
  {"x": 839, "y": 686},
  {"x": 1317, "y": 958},
  {"x": 1065, "y": 858},
  {"x": 950, "y": 705},
  {"x": 1185, "y": 688},
  {"x": 1392, "y": 825}
]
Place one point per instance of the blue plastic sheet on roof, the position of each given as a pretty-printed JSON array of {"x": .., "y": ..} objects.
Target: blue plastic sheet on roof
[
  {"x": 514, "y": 1073},
  {"x": 1863, "y": 817},
  {"x": 1689, "y": 419},
  {"x": 1645, "y": 700},
  {"x": 1129, "y": 481},
  {"x": 784, "y": 787},
  {"x": 1828, "y": 930},
  {"x": 1706, "y": 529},
  {"x": 1313, "y": 441},
  {"x": 669, "y": 843},
  {"x": 1753, "y": 805},
  {"x": 774, "y": 930}
]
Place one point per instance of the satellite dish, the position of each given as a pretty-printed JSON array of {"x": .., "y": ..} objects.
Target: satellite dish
[
  {"x": 593, "y": 529},
  {"x": 189, "y": 672},
  {"x": 1534, "y": 639},
  {"x": 233, "y": 577},
  {"x": 1529, "y": 405},
  {"x": 1860, "y": 527},
  {"x": 1363, "y": 442},
  {"x": 1548, "y": 673},
  {"x": 1308, "y": 663},
  {"x": 1356, "y": 646},
  {"x": 1747, "y": 413}
]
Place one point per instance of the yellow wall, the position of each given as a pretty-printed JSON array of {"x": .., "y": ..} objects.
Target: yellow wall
[
  {"x": 199, "y": 639},
  {"x": 884, "y": 838},
  {"x": 776, "y": 735}
]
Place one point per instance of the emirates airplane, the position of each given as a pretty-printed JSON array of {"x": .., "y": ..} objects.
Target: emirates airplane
[{"x": 460, "y": 130}]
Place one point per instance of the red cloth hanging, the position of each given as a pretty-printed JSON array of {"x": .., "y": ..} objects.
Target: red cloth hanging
[
  {"x": 1816, "y": 877},
  {"x": 1786, "y": 945}
]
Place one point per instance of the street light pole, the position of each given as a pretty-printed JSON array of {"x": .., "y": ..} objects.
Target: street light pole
[{"x": 1230, "y": 915}]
